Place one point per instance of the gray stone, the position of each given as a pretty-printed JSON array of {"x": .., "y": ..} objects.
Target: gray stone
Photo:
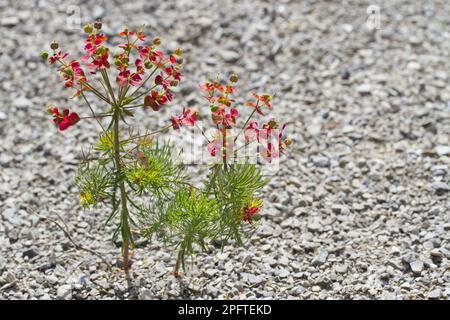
[
  {"x": 321, "y": 162},
  {"x": 416, "y": 266},
  {"x": 435, "y": 294},
  {"x": 22, "y": 102},
  {"x": 341, "y": 268},
  {"x": 64, "y": 292},
  {"x": 320, "y": 258},
  {"x": 442, "y": 150},
  {"x": 230, "y": 56},
  {"x": 314, "y": 227},
  {"x": 441, "y": 187}
]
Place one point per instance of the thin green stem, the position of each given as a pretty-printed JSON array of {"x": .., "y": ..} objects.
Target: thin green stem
[
  {"x": 94, "y": 115},
  {"x": 124, "y": 215}
]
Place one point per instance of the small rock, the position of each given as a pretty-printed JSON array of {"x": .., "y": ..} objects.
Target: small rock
[
  {"x": 416, "y": 266},
  {"x": 30, "y": 253},
  {"x": 413, "y": 65},
  {"x": 52, "y": 279},
  {"x": 211, "y": 272},
  {"x": 9, "y": 21},
  {"x": 314, "y": 129},
  {"x": 3, "y": 116},
  {"x": 22, "y": 102},
  {"x": 442, "y": 150},
  {"x": 314, "y": 227},
  {"x": 365, "y": 88},
  {"x": 282, "y": 273},
  {"x": 320, "y": 258},
  {"x": 321, "y": 162},
  {"x": 252, "y": 279},
  {"x": 435, "y": 253},
  {"x": 435, "y": 294},
  {"x": 341, "y": 268},
  {"x": 230, "y": 56},
  {"x": 146, "y": 294},
  {"x": 64, "y": 292},
  {"x": 440, "y": 187}
]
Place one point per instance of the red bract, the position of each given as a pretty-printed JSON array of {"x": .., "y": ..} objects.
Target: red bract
[
  {"x": 251, "y": 132},
  {"x": 230, "y": 118},
  {"x": 57, "y": 56},
  {"x": 72, "y": 73},
  {"x": 214, "y": 146},
  {"x": 95, "y": 51},
  {"x": 65, "y": 119},
  {"x": 263, "y": 99},
  {"x": 189, "y": 117},
  {"x": 269, "y": 152},
  {"x": 249, "y": 212}
]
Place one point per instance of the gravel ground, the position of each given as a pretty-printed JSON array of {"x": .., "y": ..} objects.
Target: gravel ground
[{"x": 360, "y": 207}]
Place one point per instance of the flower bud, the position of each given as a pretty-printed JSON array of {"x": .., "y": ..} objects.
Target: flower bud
[
  {"x": 44, "y": 55},
  {"x": 273, "y": 124},
  {"x": 178, "y": 52},
  {"x": 234, "y": 78},
  {"x": 287, "y": 142},
  {"x": 147, "y": 65},
  {"x": 180, "y": 60},
  {"x": 50, "y": 109},
  {"x": 54, "y": 45},
  {"x": 174, "y": 83},
  {"x": 98, "y": 25},
  {"x": 268, "y": 97},
  {"x": 156, "y": 41},
  {"x": 88, "y": 28}
]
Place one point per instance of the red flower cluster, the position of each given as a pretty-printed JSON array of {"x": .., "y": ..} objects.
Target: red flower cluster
[
  {"x": 72, "y": 73},
  {"x": 269, "y": 132},
  {"x": 218, "y": 96},
  {"x": 64, "y": 119},
  {"x": 189, "y": 117},
  {"x": 96, "y": 52},
  {"x": 249, "y": 212},
  {"x": 264, "y": 99}
]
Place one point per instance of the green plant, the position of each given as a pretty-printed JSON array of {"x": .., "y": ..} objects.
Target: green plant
[{"x": 141, "y": 177}]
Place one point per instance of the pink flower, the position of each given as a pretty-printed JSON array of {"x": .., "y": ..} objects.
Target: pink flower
[
  {"x": 122, "y": 78},
  {"x": 214, "y": 147},
  {"x": 230, "y": 118},
  {"x": 189, "y": 117},
  {"x": 269, "y": 153},
  {"x": 251, "y": 132}
]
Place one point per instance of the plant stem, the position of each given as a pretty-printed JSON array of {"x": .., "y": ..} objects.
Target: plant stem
[
  {"x": 224, "y": 148},
  {"x": 124, "y": 218},
  {"x": 178, "y": 263},
  {"x": 124, "y": 215}
]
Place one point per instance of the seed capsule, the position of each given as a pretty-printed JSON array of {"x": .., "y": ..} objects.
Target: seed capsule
[
  {"x": 44, "y": 55},
  {"x": 234, "y": 78},
  {"x": 178, "y": 52},
  {"x": 54, "y": 45},
  {"x": 156, "y": 41},
  {"x": 98, "y": 25},
  {"x": 88, "y": 28}
]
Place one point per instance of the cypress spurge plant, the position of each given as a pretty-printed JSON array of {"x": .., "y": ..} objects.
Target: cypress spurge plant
[{"x": 142, "y": 178}]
